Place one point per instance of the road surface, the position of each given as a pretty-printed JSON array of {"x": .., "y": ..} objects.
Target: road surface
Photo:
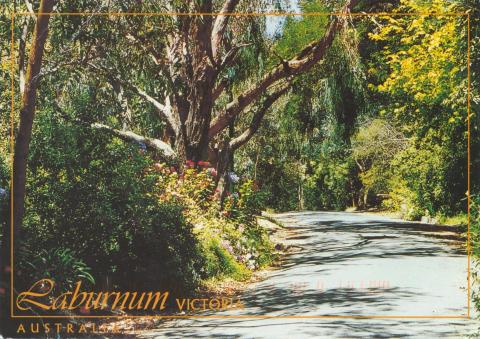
[{"x": 350, "y": 264}]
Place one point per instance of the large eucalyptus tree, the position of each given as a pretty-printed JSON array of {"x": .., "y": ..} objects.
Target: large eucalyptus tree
[
  {"x": 196, "y": 45},
  {"x": 197, "y": 50}
]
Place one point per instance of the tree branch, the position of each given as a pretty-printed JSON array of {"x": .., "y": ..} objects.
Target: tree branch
[
  {"x": 165, "y": 111},
  {"x": 165, "y": 151},
  {"x": 230, "y": 56},
  {"x": 257, "y": 118},
  {"x": 218, "y": 90},
  {"x": 304, "y": 61},
  {"x": 146, "y": 47},
  {"x": 219, "y": 27},
  {"x": 21, "y": 53}
]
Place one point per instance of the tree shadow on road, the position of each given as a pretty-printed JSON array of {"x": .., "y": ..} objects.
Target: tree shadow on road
[{"x": 325, "y": 244}]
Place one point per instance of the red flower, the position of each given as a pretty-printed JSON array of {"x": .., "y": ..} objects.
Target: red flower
[
  {"x": 213, "y": 172},
  {"x": 189, "y": 163},
  {"x": 204, "y": 163}
]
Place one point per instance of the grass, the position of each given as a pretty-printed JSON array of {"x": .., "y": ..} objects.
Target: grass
[{"x": 458, "y": 219}]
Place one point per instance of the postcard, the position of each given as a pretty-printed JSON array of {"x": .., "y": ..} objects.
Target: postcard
[{"x": 239, "y": 169}]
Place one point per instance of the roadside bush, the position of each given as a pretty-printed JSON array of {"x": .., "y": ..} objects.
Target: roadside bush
[
  {"x": 62, "y": 265},
  {"x": 104, "y": 211},
  {"x": 251, "y": 200},
  {"x": 329, "y": 186},
  {"x": 231, "y": 241},
  {"x": 428, "y": 179},
  {"x": 220, "y": 262},
  {"x": 280, "y": 182},
  {"x": 404, "y": 200},
  {"x": 244, "y": 204},
  {"x": 475, "y": 248},
  {"x": 96, "y": 199},
  {"x": 163, "y": 253},
  {"x": 4, "y": 196}
]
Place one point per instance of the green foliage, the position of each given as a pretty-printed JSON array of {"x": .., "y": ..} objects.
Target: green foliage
[
  {"x": 246, "y": 203},
  {"x": 374, "y": 147},
  {"x": 426, "y": 182},
  {"x": 475, "y": 247},
  {"x": 459, "y": 219},
  {"x": 62, "y": 265},
  {"x": 421, "y": 88},
  {"x": 231, "y": 242},
  {"x": 402, "y": 137},
  {"x": 297, "y": 33},
  {"x": 163, "y": 253},
  {"x": 4, "y": 196},
  {"x": 221, "y": 263},
  {"x": 297, "y": 158},
  {"x": 94, "y": 195},
  {"x": 475, "y": 225},
  {"x": 193, "y": 189},
  {"x": 250, "y": 202},
  {"x": 329, "y": 185}
]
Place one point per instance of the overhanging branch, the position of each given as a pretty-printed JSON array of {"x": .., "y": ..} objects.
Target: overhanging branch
[
  {"x": 165, "y": 111},
  {"x": 164, "y": 150},
  {"x": 230, "y": 56},
  {"x": 257, "y": 118},
  {"x": 304, "y": 61}
]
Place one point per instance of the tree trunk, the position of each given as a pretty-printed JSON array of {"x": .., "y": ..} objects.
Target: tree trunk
[
  {"x": 365, "y": 198},
  {"x": 28, "y": 88},
  {"x": 193, "y": 75},
  {"x": 27, "y": 113},
  {"x": 222, "y": 167}
]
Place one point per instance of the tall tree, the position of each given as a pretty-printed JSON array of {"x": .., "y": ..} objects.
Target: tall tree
[
  {"x": 198, "y": 50},
  {"x": 27, "y": 113}
]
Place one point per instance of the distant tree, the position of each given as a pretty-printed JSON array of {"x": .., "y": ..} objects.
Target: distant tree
[{"x": 374, "y": 147}]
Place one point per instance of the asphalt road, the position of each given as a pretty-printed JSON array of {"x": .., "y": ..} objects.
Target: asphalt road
[{"x": 350, "y": 264}]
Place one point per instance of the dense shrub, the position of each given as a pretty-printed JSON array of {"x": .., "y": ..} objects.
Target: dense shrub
[
  {"x": 93, "y": 196},
  {"x": 220, "y": 262},
  {"x": 4, "y": 195},
  {"x": 103, "y": 211},
  {"x": 231, "y": 241},
  {"x": 247, "y": 202},
  {"x": 428, "y": 179},
  {"x": 163, "y": 253},
  {"x": 329, "y": 185}
]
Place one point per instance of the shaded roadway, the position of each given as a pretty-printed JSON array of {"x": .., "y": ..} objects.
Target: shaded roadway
[{"x": 350, "y": 264}]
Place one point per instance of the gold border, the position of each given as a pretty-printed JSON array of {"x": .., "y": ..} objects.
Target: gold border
[{"x": 382, "y": 14}]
